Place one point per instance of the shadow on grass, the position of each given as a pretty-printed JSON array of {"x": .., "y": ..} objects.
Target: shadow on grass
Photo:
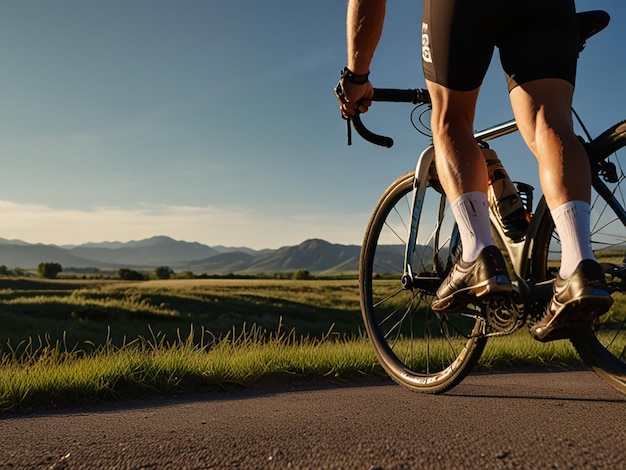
[{"x": 96, "y": 317}]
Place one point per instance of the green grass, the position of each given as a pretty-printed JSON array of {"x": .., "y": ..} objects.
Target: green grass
[
  {"x": 66, "y": 343},
  {"x": 43, "y": 375},
  {"x": 48, "y": 375}
]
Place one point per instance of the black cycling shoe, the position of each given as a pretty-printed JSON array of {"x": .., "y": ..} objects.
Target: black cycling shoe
[
  {"x": 486, "y": 277},
  {"x": 577, "y": 301}
]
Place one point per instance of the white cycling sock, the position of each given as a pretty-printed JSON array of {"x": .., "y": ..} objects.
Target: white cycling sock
[
  {"x": 572, "y": 224},
  {"x": 471, "y": 212}
]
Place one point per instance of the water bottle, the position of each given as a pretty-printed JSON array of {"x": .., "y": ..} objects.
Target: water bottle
[{"x": 504, "y": 198}]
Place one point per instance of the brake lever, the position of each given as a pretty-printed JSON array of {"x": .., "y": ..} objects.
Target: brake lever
[{"x": 339, "y": 93}]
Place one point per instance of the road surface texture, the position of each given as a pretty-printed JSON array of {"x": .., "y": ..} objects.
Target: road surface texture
[{"x": 553, "y": 420}]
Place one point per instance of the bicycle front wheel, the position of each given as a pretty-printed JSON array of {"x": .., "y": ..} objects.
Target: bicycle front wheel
[
  {"x": 420, "y": 349},
  {"x": 603, "y": 345}
]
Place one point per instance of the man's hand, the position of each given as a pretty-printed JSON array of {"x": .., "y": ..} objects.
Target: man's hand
[{"x": 353, "y": 97}]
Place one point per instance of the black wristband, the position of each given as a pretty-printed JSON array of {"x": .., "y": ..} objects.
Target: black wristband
[{"x": 353, "y": 78}]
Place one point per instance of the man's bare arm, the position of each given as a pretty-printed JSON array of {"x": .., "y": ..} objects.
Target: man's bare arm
[{"x": 364, "y": 27}]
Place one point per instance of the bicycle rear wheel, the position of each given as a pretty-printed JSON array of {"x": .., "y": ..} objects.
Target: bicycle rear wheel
[
  {"x": 419, "y": 349},
  {"x": 603, "y": 345}
]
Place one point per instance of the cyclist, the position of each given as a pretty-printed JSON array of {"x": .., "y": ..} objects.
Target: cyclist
[{"x": 538, "y": 47}]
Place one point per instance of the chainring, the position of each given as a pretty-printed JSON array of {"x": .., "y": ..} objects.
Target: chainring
[{"x": 502, "y": 317}]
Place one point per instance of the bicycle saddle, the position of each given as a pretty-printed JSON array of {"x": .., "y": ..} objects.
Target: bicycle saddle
[{"x": 590, "y": 23}]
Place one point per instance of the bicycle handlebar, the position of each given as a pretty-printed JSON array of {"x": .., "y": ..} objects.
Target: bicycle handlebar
[
  {"x": 390, "y": 95},
  {"x": 395, "y": 95}
]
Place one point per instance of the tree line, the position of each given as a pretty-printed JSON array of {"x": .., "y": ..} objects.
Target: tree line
[{"x": 51, "y": 270}]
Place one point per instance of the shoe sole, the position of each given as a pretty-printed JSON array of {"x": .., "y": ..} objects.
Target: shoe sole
[
  {"x": 572, "y": 316},
  {"x": 493, "y": 288}
]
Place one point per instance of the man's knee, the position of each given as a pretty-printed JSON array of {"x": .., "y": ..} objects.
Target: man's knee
[{"x": 451, "y": 106}]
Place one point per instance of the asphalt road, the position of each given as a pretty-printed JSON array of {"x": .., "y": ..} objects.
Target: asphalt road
[{"x": 506, "y": 420}]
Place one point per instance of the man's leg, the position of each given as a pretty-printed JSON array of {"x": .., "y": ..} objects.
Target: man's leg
[
  {"x": 542, "y": 109},
  {"x": 460, "y": 165},
  {"x": 463, "y": 175}
]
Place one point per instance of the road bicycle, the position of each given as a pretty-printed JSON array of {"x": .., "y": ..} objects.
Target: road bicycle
[{"x": 412, "y": 241}]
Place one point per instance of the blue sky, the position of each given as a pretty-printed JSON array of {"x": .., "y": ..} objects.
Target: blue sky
[{"x": 214, "y": 121}]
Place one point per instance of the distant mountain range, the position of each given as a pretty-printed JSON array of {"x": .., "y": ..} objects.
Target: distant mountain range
[{"x": 313, "y": 255}]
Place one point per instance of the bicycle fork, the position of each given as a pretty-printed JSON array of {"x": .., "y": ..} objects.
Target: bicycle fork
[{"x": 422, "y": 174}]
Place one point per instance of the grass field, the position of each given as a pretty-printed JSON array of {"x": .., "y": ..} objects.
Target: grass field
[
  {"x": 69, "y": 342},
  {"x": 115, "y": 311}
]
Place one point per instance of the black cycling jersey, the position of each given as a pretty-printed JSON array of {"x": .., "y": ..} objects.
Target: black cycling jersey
[{"x": 535, "y": 38}]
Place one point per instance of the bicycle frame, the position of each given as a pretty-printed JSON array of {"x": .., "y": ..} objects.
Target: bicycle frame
[{"x": 519, "y": 252}]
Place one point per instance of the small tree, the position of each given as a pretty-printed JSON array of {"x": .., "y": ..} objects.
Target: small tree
[
  {"x": 126, "y": 274},
  {"x": 49, "y": 270},
  {"x": 163, "y": 272},
  {"x": 302, "y": 274}
]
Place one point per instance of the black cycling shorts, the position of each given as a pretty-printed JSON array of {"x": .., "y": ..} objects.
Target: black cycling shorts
[{"x": 536, "y": 39}]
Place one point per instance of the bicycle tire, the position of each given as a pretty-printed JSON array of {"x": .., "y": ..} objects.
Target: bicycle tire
[
  {"x": 602, "y": 346},
  {"x": 419, "y": 349}
]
